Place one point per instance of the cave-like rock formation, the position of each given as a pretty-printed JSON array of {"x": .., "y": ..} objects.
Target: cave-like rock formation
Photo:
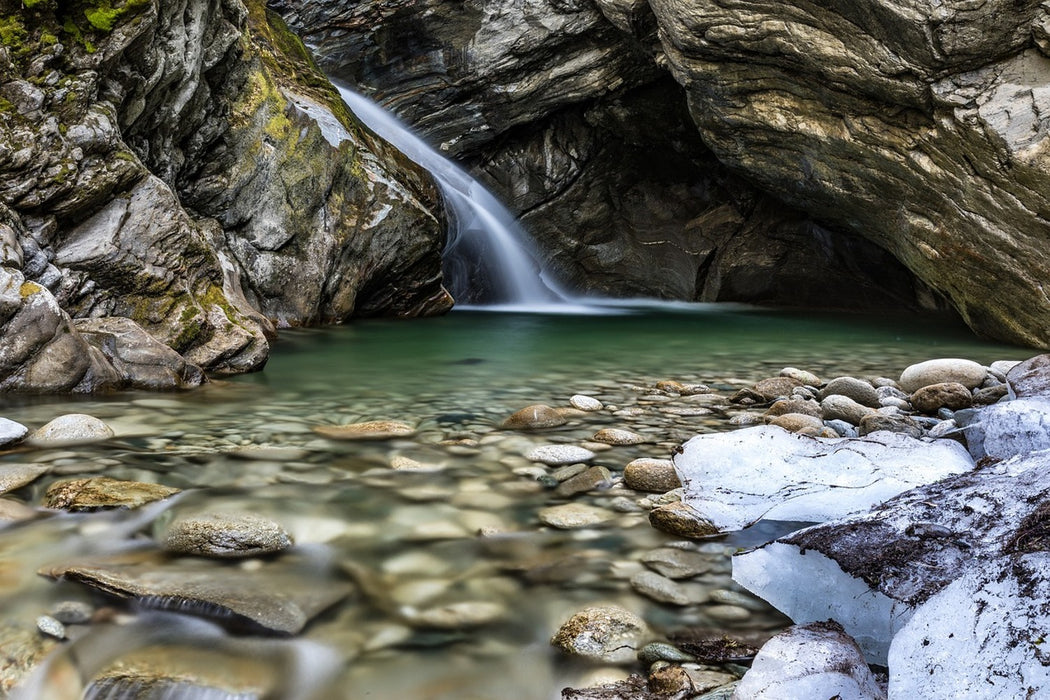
[
  {"x": 874, "y": 131},
  {"x": 183, "y": 164}
]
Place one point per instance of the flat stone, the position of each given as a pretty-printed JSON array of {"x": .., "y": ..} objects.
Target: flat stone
[
  {"x": 651, "y": 475},
  {"x": 588, "y": 480},
  {"x": 371, "y": 430},
  {"x": 660, "y": 588},
  {"x": 51, "y": 627},
  {"x": 274, "y": 595},
  {"x": 894, "y": 424},
  {"x": 226, "y": 535},
  {"x": 535, "y": 417},
  {"x": 966, "y": 372},
  {"x": 585, "y": 403},
  {"x": 11, "y": 432},
  {"x": 557, "y": 455},
  {"x": 102, "y": 492},
  {"x": 71, "y": 429},
  {"x": 796, "y": 405},
  {"x": 950, "y": 395},
  {"x": 616, "y": 436},
  {"x": 608, "y": 634},
  {"x": 571, "y": 516},
  {"x": 797, "y": 422},
  {"x": 860, "y": 391},
  {"x": 681, "y": 520},
  {"x": 14, "y": 476},
  {"x": 454, "y": 616},
  {"x": 800, "y": 375},
  {"x": 676, "y": 563}
]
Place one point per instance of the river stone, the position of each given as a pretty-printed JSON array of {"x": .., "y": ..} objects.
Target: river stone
[
  {"x": 966, "y": 372},
  {"x": 588, "y": 480},
  {"x": 616, "y": 436},
  {"x": 651, "y": 475},
  {"x": 276, "y": 595},
  {"x": 226, "y": 535},
  {"x": 798, "y": 422},
  {"x": 72, "y": 612},
  {"x": 371, "y": 430},
  {"x": 860, "y": 391},
  {"x": 11, "y": 432},
  {"x": 535, "y": 417},
  {"x": 990, "y": 395},
  {"x": 785, "y": 406},
  {"x": 51, "y": 627},
  {"x": 571, "y": 516},
  {"x": 14, "y": 476},
  {"x": 838, "y": 407},
  {"x": 608, "y": 634},
  {"x": 557, "y": 455},
  {"x": 1030, "y": 378},
  {"x": 676, "y": 563},
  {"x": 801, "y": 376},
  {"x": 660, "y": 588},
  {"x": 13, "y": 511},
  {"x": 454, "y": 616},
  {"x": 681, "y": 520},
  {"x": 950, "y": 395},
  {"x": 894, "y": 424},
  {"x": 70, "y": 429},
  {"x": 585, "y": 403},
  {"x": 818, "y": 660},
  {"x": 766, "y": 390},
  {"x": 102, "y": 492}
]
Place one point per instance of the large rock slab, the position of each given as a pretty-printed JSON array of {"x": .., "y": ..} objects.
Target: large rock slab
[
  {"x": 143, "y": 361},
  {"x": 735, "y": 479},
  {"x": 985, "y": 630},
  {"x": 872, "y": 571},
  {"x": 274, "y": 596}
]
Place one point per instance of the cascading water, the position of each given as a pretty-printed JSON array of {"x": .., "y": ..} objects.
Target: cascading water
[{"x": 489, "y": 259}]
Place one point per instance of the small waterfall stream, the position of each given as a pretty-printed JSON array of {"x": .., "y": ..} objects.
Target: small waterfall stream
[{"x": 489, "y": 259}]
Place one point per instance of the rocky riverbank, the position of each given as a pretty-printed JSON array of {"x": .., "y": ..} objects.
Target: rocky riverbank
[{"x": 474, "y": 513}]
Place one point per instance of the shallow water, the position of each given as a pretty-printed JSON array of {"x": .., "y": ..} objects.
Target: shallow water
[{"x": 408, "y": 540}]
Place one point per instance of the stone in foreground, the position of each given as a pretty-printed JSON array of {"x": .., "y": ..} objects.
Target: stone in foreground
[
  {"x": 735, "y": 479},
  {"x": 71, "y": 429},
  {"x": 95, "y": 493},
  {"x": 274, "y": 596},
  {"x": 818, "y": 660},
  {"x": 682, "y": 520},
  {"x": 226, "y": 535},
  {"x": 608, "y": 634},
  {"x": 370, "y": 430},
  {"x": 986, "y": 630}
]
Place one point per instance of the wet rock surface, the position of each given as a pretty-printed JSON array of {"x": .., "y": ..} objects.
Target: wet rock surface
[
  {"x": 225, "y": 535},
  {"x": 103, "y": 492}
]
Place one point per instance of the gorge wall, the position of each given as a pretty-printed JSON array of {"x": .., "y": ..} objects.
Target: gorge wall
[
  {"x": 881, "y": 152},
  {"x": 182, "y": 164}
]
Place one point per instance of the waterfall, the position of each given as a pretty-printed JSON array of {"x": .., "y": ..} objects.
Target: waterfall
[{"x": 489, "y": 259}]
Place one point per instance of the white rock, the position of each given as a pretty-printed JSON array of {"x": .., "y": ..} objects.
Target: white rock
[
  {"x": 71, "y": 429},
  {"x": 966, "y": 372},
  {"x": 11, "y": 432},
  {"x": 557, "y": 455},
  {"x": 1006, "y": 429},
  {"x": 735, "y": 479},
  {"x": 986, "y": 630},
  {"x": 810, "y": 662},
  {"x": 585, "y": 403}
]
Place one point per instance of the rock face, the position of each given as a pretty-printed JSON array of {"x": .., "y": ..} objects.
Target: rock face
[
  {"x": 184, "y": 165},
  {"x": 564, "y": 110}
]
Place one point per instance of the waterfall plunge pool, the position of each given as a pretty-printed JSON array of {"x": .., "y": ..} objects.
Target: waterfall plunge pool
[{"x": 436, "y": 611}]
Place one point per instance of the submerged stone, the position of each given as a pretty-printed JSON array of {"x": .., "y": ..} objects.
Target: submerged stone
[
  {"x": 98, "y": 492},
  {"x": 535, "y": 417},
  {"x": 574, "y": 515},
  {"x": 370, "y": 430},
  {"x": 226, "y": 535},
  {"x": 15, "y": 476}
]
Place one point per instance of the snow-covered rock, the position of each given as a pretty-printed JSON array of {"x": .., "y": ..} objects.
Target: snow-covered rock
[
  {"x": 818, "y": 660},
  {"x": 735, "y": 479},
  {"x": 1006, "y": 429},
  {"x": 981, "y": 636},
  {"x": 870, "y": 572}
]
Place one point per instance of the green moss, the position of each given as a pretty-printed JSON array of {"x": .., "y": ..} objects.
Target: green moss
[
  {"x": 28, "y": 4},
  {"x": 103, "y": 15},
  {"x": 13, "y": 33},
  {"x": 48, "y": 39}
]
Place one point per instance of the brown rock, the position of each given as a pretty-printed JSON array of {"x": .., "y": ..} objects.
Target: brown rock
[
  {"x": 372, "y": 430},
  {"x": 893, "y": 424},
  {"x": 798, "y": 422},
  {"x": 681, "y": 520},
  {"x": 784, "y": 406},
  {"x": 589, "y": 480},
  {"x": 535, "y": 417},
  {"x": 651, "y": 475},
  {"x": 102, "y": 492},
  {"x": 951, "y": 395},
  {"x": 767, "y": 390}
]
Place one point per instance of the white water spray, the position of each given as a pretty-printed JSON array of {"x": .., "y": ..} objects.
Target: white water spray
[{"x": 489, "y": 258}]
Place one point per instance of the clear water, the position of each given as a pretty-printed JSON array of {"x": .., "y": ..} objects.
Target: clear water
[{"x": 408, "y": 540}]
